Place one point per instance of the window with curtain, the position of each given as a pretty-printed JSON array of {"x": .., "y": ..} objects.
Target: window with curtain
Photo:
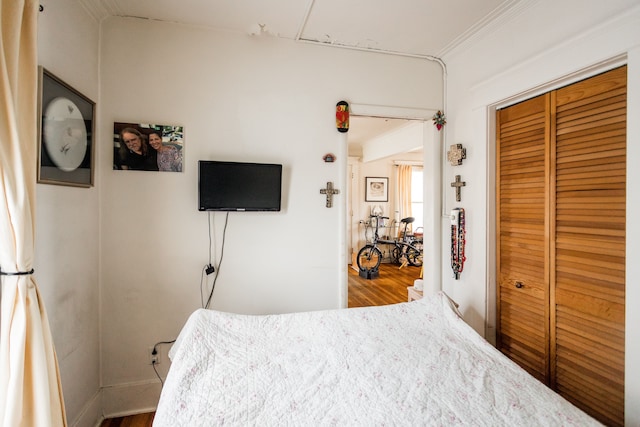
[
  {"x": 410, "y": 194},
  {"x": 417, "y": 196}
]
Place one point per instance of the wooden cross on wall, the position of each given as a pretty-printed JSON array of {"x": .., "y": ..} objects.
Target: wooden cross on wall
[
  {"x": 329, "y": 191},
  {"x": 458, "y": 184}
]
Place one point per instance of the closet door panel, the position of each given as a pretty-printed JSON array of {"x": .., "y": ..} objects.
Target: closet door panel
[
  {"x": 522, "y": 242},
  {"x": 561, "y": 231},
  {"x": 589, "y": 252}
]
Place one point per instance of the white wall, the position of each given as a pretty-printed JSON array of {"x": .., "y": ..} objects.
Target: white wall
[
  {"x": 533, "y": 51},
  {"x": 240, "y": 98},
  {"x": 67, "y": 223}
]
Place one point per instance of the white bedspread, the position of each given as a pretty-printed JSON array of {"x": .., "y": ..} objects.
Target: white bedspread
[{"x": 405, "y": 364}]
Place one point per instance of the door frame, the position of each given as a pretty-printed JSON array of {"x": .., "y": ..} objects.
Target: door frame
[{"x": 432, "y": 149}]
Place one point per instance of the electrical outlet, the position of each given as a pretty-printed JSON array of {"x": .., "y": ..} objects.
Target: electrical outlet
[{"x": 154, "y": 359}]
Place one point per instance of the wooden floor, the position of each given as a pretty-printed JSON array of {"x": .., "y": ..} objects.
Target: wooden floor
[
  {"x": 390, "y": 287},
  {"x": 140, "y": 420}
]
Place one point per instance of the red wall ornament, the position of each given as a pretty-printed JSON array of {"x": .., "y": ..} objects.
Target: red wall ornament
[
  {"x": 342, "y": 116},
  {"x": 439, "y": 119},
  {"x": 329, "y": 158}
]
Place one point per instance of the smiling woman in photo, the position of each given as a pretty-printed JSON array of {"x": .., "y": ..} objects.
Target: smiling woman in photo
[{"x": 169, "y": 157}]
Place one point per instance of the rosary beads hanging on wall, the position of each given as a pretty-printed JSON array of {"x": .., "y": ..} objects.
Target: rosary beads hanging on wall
[{"x": 458, "y": 241}]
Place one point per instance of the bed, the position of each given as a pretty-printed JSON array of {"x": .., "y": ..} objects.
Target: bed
[{"x": 414, "y": 363}]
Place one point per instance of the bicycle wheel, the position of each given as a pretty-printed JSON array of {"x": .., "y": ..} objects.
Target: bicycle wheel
[
  {"x": 369, "y": 258},
  {"x": 396, "y": 254},
  {"x": 414, "y": 256}
]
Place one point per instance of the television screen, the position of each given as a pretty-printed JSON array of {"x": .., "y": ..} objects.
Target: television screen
[{"x": 236, "y": 186}]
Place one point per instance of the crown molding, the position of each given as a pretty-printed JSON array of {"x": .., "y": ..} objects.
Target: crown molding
[
  {"x": 503, "y": 13},
  {"x": 101, "y": 9}
]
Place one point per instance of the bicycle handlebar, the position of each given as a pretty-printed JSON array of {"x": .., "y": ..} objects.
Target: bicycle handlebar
[{"x": 378, "y": 216}]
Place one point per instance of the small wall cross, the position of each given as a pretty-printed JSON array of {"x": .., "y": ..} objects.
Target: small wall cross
[
  {"x": 456, "y": 154},
  {"x": 329, "y": 191},
  {"x": 458, "y": 184}
]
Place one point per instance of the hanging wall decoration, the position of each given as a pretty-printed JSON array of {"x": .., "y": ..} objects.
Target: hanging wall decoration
[
  {"x": 329, "y": 191},
  {"x": 66, "y": 121},
  {"x": 439, "y": 119},
  {"x": 329, "y": 158},
  {"x": 376, "y": 189},
  {"x": 458, "y": 184},
  {"x": 342, "y": 116},
  {"x": 148, "y": 147},
  {"x": 456, "y": 154},
  {"x": 457, "y": 241}
]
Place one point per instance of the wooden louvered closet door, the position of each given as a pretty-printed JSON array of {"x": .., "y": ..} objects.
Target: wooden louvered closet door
[
  {"x": 523, "y": 276},
  {"x": 581, "y": 210}
]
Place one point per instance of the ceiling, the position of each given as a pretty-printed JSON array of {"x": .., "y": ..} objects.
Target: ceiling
[
  {"x": 415, "y": 27},
  {"x": 421, "y": 28},
  {"x": 363, "y": 129}
]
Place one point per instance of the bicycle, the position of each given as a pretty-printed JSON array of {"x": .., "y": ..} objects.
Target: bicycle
[{"x": 370, "y": 256}]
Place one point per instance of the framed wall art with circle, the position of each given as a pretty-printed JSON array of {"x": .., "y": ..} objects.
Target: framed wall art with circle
[
  {"x": 66, "y": 132},
  {"x": 376, "y": 189}
]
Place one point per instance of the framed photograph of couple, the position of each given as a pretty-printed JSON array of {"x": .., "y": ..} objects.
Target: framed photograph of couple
[
  {"x": 148, "y": 147},
  {"x": 376, "y": 189},
  {"x": 65, "y": 132}
]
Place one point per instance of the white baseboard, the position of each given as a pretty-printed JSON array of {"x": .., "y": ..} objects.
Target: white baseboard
[
  {"x": 122, "y": 400},
  {"x": 91, "y": 414}
]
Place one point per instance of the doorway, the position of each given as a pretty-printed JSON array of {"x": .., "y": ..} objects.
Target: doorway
[{"x": 376, "y": 146}]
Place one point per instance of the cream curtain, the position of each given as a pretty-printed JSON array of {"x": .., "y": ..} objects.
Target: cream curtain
[
  {"x": 30, "y": 390},
  {"x": 404, "y": 192}
]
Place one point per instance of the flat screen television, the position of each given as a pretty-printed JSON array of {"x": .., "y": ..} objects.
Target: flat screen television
[{"x": 238, "y": 186}]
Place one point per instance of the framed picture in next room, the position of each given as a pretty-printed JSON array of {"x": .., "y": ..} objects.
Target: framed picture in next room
[{"x": 376, "y": 189}]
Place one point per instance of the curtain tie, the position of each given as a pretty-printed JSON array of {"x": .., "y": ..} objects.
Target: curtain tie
[{"x": 18, "y": 273}]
